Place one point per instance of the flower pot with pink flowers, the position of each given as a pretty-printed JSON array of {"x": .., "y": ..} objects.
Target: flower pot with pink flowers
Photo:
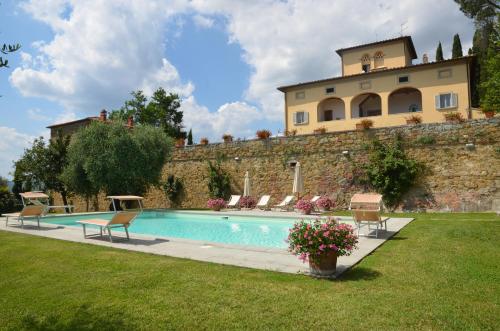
[
  {"x": 216, "y": 204},
  {"x": 321, "y": 243},
  {"x": 304, "y": 206},
  {"x": 248, "y": 202},
  {"x": 324, "y": 203}
]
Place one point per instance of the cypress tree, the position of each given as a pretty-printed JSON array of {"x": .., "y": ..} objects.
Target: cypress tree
[
  {"x": 457, "y": 47},
  {"x": 439, "y": 53},
  {"x": 190, "y": 137}
]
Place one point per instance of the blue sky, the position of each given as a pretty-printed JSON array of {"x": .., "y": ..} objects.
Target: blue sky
[{"x": 224, "y": 57}]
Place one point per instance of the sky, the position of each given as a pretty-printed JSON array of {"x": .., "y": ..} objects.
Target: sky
[{"x": 225, "y": 58}]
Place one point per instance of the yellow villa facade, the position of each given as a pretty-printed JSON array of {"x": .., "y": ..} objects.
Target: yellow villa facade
[{"x": 380, "y": 83}]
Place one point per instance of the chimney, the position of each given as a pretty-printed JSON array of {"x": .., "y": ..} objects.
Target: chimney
[
  {"x": 425, "y": 58},
  {"x": 103, "y": 115},
  {"x": 130, "y": 122}
]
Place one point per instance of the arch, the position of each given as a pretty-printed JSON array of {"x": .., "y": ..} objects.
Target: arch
[
  {"x": 366, "y": 104},
  {"x": 365, "y": 63},
  {"x": 405, "y": 100},
  {"x": 331, "y": 109},
  {"x": 378, "y": 59}
]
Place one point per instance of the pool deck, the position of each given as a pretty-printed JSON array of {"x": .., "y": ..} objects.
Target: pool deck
[{"x": 244, "y": 256}]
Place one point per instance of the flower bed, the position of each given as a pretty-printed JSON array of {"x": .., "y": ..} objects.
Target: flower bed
[{"x": 216, "y": 204}]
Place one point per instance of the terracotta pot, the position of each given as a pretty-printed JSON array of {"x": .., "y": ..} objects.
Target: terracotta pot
[
  {"x": 324, "y": 265},
  {"x": 489, "y": 114}
]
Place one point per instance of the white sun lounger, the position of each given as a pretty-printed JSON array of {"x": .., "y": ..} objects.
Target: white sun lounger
[
  {"x": 286, "y": 203},
  {"x": 263, "y": 202},
  {"x": 120, "y": 219},
  {"x": 234, "y": 202},
  {"x": 28, "y": 212}
]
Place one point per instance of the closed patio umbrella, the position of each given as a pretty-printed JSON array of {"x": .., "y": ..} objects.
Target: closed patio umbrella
[
  {"x": 298, "y": 182},
  {"x": 246, "y": 188}
]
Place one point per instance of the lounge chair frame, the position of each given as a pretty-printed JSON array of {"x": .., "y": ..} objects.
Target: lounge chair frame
[
  {"x": 106, "y": 226},
  {"x": 366, "y": 209}
]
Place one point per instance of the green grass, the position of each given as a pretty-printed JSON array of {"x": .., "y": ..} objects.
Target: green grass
[{"x": 441, "y": 272}]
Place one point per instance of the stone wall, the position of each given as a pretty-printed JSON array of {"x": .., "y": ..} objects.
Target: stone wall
[{"x": 458, "y": 176}]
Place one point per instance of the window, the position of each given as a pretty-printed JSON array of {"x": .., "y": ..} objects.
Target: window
[
  {"x": 300, "y": 117},
  {"x": 403, "y": 79},
  {"x": 300, "y": 95},
  {"x": 328, "y": 115},
  {"x": 446, "y": 100},
  {"x": 365, "y": 67},
  {"x": 365, "y": 63},
  {"x": 330, "y": 90},
  {"x": 445, "y": 73},
  {"x": 365, "y": 85},
  {"x": 379, "y": 59}
]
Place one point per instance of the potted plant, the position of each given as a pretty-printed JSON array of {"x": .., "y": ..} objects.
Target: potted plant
[
  {"x": 216, "y": 204},
  {"x": 320, "y": 243},
  {"x": 489, "y": 113},
  {"x": 305, "y": 206},
  {"x": 204, "y": 141},
  {"x": 248, "y": 202},
  {"x": 180, "y": 142},
  {"x": 320, "y": 130},
  {"x": 227, "y": 138},
  {"x": 364, "y": 124},
  {"x": 454, "y": 117},
  {"x": 324, "y": 203},
  {"x": 414, "y": 119},
  {"x": 263, "y": 134},
  {"x": 290, "y": 133}
]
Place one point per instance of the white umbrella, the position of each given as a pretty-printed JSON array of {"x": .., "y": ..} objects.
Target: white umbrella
[
  {"x": 246, "y": 188},
  {"x": 298, "y": 182}
]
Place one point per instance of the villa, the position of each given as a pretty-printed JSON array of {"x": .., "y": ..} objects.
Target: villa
[{"x": 379, "y": 81}]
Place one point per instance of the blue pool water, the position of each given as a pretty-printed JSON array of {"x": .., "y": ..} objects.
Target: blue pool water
[{"x": 240, "y": 230}]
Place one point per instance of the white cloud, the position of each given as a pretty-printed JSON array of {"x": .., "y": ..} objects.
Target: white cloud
[
  {"x": 36, "y": 114},
  {"x": 203, "y": 21},
  {"x": 12, "y": 146},
  {"x": 66, "y": 116}
]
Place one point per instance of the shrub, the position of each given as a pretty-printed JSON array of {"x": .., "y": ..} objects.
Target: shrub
[
  {"x": 426, "y": 140},
  {"x": 309, "y": 240},
  {"x": 219, "y": 185},
  {"x": 227, "y": 138},
  {"x": 216, "y": 204},
  {"x": 204, "y": 141},
  {"x": 365, "y": 124},
  {"x": 325, "y": 203},
  {"x": 7, "y": 201},
  {"x": 390, "y": 171},
  {"x": 173, "y": 189},
  {"x": 454, "y": 117},
  {"x": 414, "y": 119},
  {"x": 263, "y": 134},
  {"x": 248, "y": 202},
  {"x": 304, "y": 205}
]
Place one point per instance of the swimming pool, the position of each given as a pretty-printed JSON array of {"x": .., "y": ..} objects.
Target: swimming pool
[{"x": 217, "y": 228}]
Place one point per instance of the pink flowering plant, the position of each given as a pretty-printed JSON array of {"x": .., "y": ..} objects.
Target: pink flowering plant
[
  {"x": 216, "y": 204},
  {"x": 325, "y": 203},
  {"x": 304, "y": 205},
  {"x": 248, "y": 202},
  {"x": 310, "y": 239}
]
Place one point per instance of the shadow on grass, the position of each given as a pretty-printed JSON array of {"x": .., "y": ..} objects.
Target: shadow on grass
[
  {"x": 83, "y": 319},
  {"x": 359, "y": 273},
  {"x": 398, "y": 238}
]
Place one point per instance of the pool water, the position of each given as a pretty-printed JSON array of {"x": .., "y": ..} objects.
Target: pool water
[{"x": 239, "y": 230}]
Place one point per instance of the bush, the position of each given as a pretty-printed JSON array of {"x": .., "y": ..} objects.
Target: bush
[
  {"x": 309, "y": 240},
  {"x": 219, "y": 185},
  {"x": 325, "y": 203},
  {"x": 8, "y": 201},
  {"x": 454, "y": 117},
  {"x": 426, "y": 140},
  {"x": 304, "y": 205},
  {"x": 248, "y": 202},
  {"x": 263, "y": 134},
  {"x": 390, "y": 171},
  {"x": 216, "y": 204}
]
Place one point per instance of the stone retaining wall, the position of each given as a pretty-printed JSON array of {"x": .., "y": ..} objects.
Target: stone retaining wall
[{"x": 458, "y": 177}]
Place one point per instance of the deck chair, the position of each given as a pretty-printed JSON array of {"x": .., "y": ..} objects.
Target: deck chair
[
  {"x": 313, "y": 201},
  {"x": 28, "y": 213},
  {"x": 263, "y": 202},
  {"x": 286, "y": 203},
  {"x": 233, "y": 202},
  {"x": 120, "y": 219},
  {"x": 366, "y": 209}
]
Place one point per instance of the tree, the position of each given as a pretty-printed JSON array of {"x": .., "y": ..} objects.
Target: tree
[
  {"x": 57, "y": 160},
  {"x": 490, "y": 96},
  {"x": 480, "y": 10},
  {"x": 190, "y": 137},
  {"x": 109, "y": 158},
  {"x": 7, "y": 49},
  {"x": 7, "y": 199},
  {"x": 132, "y": 107},
  {"x": 163, "y": 111},
  {"x": 457, "y": 47},
  {"x": 439, "y": 53}
]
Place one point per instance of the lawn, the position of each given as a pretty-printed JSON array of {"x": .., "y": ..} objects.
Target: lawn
[{"x": 440, "y": 272}]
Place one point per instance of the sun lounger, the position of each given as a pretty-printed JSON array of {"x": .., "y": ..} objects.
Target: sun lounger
[
  {"x": 120, "y": 219},
  {"x": 313, "y": 201},
  {"x": 366, "y": 209},
  {"x": 286, "y": 203},
  {"x": 36, "y": 199},
  {"x": 234, "y": 202},
  {"x": 263, "y": 202},
  {"x": 28, "y": 212}
]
